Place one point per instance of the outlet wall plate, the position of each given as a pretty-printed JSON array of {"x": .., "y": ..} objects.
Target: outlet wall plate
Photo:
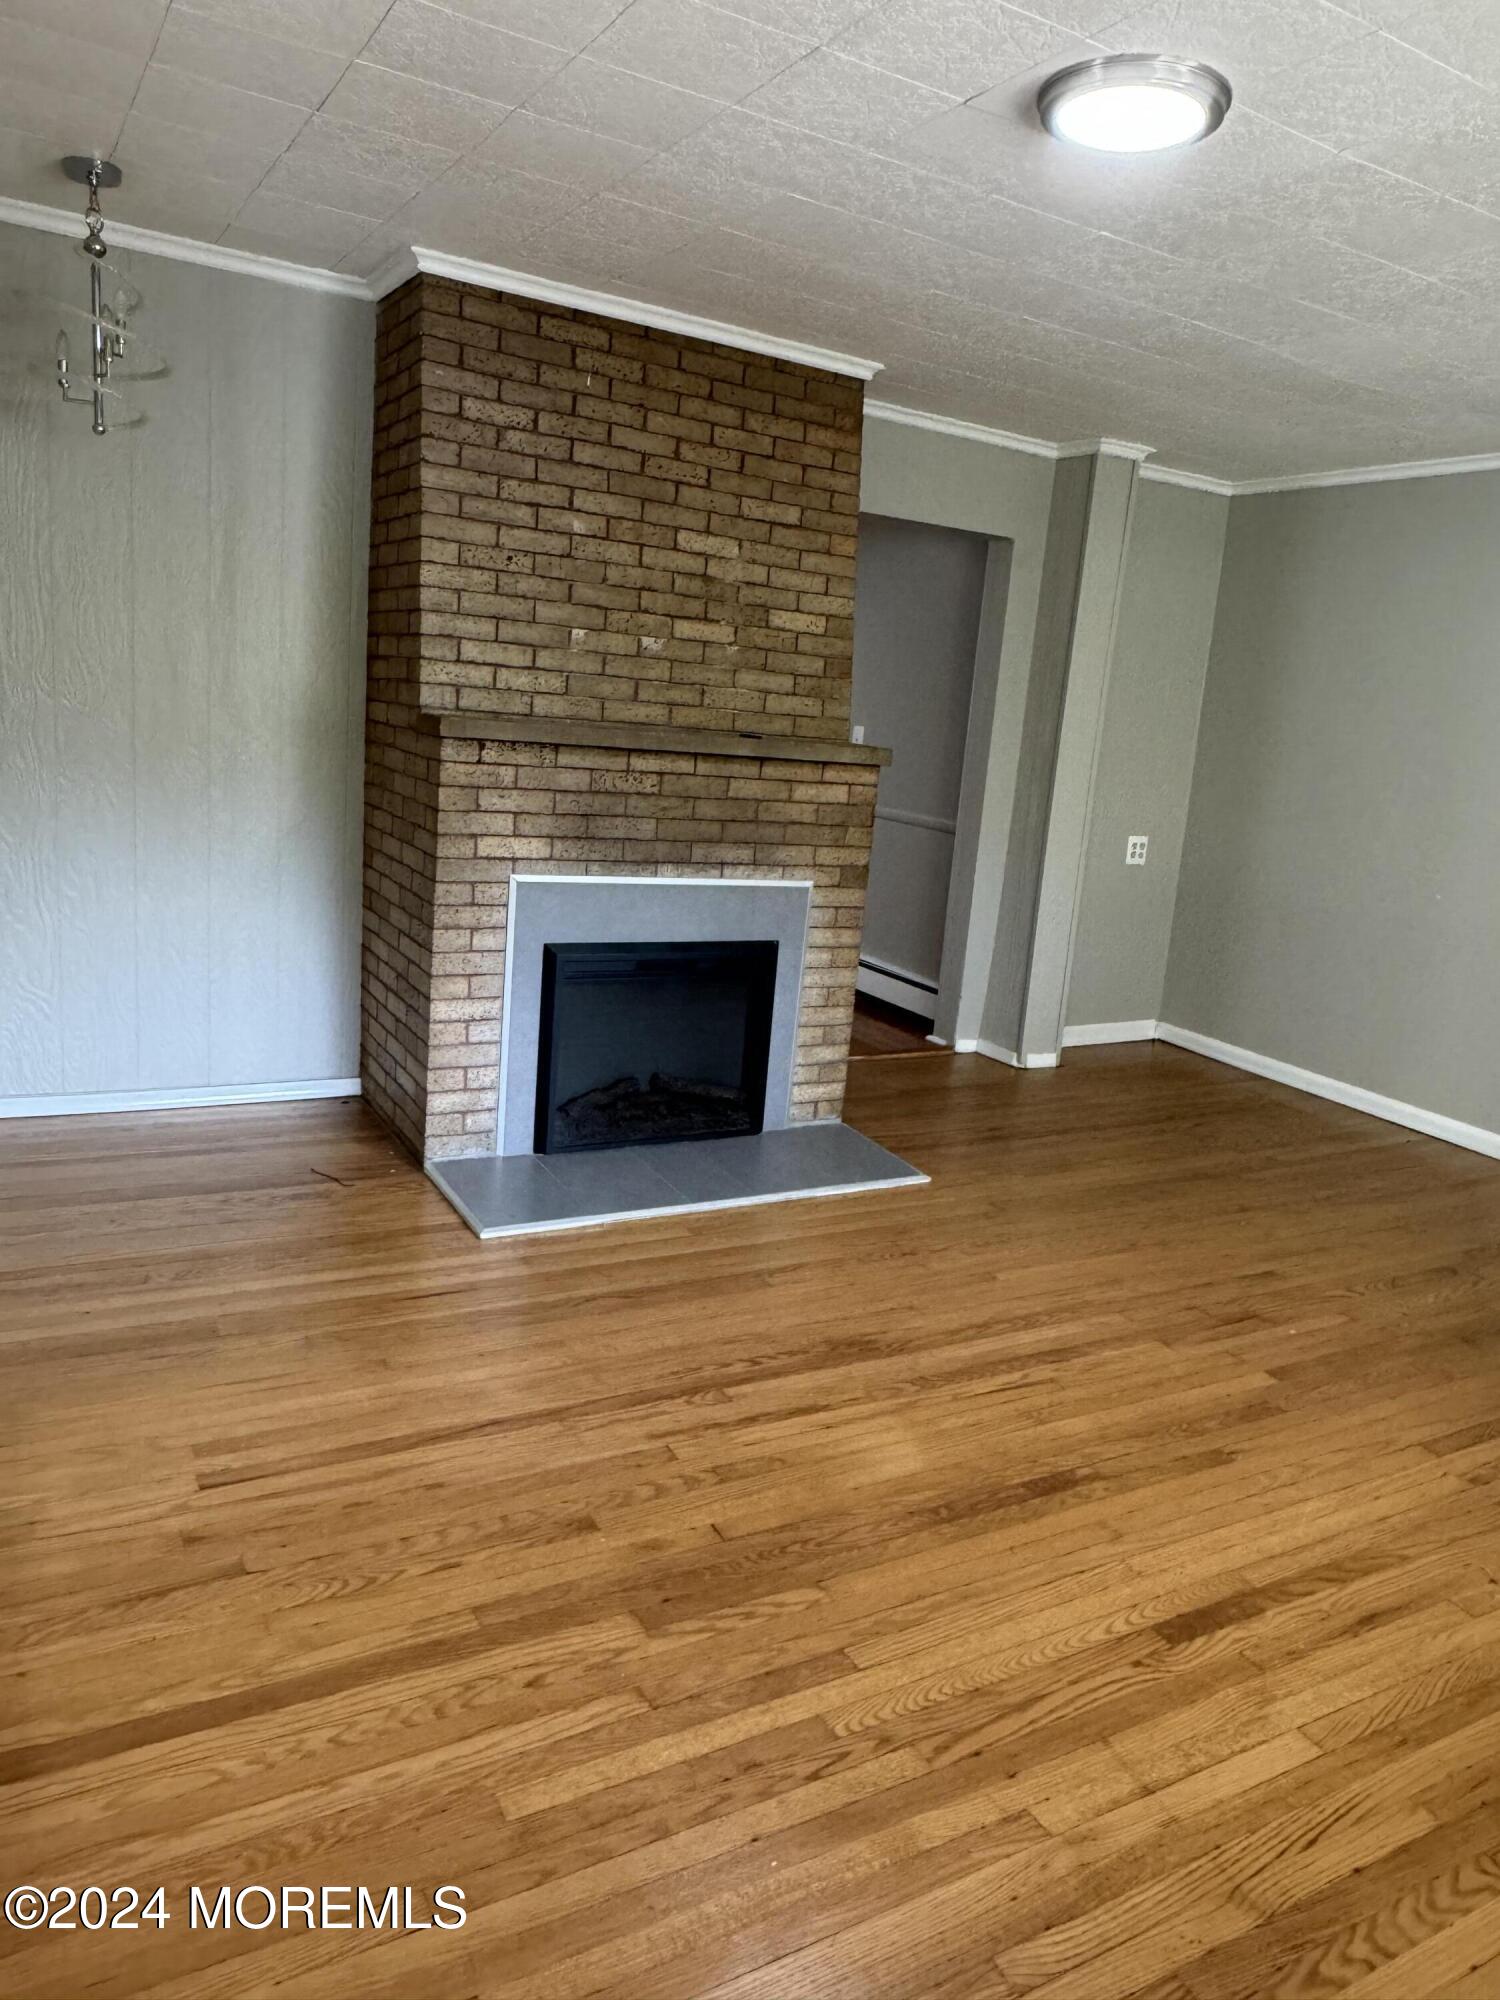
[{"x": 1135, "y": 849}]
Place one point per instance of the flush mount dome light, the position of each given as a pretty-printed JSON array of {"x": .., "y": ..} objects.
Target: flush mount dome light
[{"x": 1134, "y": 104}]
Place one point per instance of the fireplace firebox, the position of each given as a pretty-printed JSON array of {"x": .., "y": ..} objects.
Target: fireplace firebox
[{"x": 641, "y": 1044}]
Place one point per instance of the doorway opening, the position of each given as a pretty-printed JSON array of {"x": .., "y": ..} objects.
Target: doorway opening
[{"x": 923, "y": 596}]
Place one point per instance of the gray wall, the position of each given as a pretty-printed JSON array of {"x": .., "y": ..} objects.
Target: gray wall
[
  {"x": 917, "y": 603},
  {"x": 1168, "y": 595},
  {"x": 921, "y": 475},
  {"x": 1338, "y": 906},
  {"x": 181, "y": 672}
]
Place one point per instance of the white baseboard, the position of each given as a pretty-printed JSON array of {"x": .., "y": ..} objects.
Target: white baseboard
[
  {"x": 883, "y": 983},
  {"x": 1089, "y": 1033},
  {"x": 975, "y": 1046},
  {"x": 199, "y": 1097},
  {"x": 1475, "y": 1138}
]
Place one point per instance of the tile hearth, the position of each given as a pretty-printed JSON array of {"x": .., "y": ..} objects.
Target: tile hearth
[{"x": 528, "y": 1194}]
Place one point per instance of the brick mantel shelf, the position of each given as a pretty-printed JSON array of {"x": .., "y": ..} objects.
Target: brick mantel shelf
[
  {"x": 652, "y": 736},
  {"x": 611, "y": 631}
]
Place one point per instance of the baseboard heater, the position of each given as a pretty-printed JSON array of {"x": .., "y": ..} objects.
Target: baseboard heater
[{"x": 897, "y": 988}]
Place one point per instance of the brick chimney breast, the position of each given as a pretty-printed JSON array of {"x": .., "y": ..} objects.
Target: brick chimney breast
[{"x": 611, "y": 631}]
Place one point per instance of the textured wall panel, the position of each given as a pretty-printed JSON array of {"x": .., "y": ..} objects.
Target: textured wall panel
[{"x": 181, "y": 673}]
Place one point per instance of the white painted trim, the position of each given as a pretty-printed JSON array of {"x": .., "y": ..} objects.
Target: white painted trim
[
  {"x": 84, "y": 1103},
  {"x": 1089, "y": 1034},
  {"x": 186, "y": 249},
  {"x": 895, "y": 990},
  {"x": 927, "y": 420},
  {"x": 405, "y": 263},
  {"x": 1475, "y": 1138},
  {"x": 977, "y": 1046},
  {"x": 666, "y": 319},
  {"x": 1106, "y": 448},
  {"x": 1169, "y": 475},
  {"x": 397, "y": 268},
  {"x": 1199, "y": 482},
  {"x": 1370, "y": 475}
]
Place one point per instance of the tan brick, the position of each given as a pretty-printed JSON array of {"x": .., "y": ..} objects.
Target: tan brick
[{"x": 574, "y": 518}]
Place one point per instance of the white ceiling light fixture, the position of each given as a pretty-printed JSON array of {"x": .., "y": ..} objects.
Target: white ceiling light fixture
[{"x": 1134, "y": 104}]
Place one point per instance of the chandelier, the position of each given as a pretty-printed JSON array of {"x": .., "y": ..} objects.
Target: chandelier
[{"x": 114, "y": 353}]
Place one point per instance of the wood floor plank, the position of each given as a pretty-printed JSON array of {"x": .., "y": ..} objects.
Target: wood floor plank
[{"x": 1078, "y": 1577}]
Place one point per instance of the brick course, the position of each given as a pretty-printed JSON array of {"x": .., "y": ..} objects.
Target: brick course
[
  {"x": 542, "y": 808},
  {"x": 401, "y": 753},
  {"x": 618, "y": 525},
  {"x": 574, "y": 518}
]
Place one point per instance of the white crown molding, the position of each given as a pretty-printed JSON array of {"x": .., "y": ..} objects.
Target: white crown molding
[
  {"x": 1169, "y": 475},
  {"x": 1372, "y": 475},
  {"x": 1198, "y": 482},
  {"x": 1106, "y": 447},
  {"x": 185, "y": 249},
  {"x": 397, "y": 268},
  {"x": 928, "y": 420},
  {"x": 664, "y": 319},
  {"x": 404, "y": 264}
]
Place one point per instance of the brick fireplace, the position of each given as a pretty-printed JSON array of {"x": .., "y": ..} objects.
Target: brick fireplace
[{"x": 611, "y": 628}]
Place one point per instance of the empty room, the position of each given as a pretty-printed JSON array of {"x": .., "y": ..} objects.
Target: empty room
[{"x": 749, "y": 999}]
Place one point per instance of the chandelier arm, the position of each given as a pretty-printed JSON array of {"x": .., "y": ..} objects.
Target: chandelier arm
[{"x": 107, "y": 330}]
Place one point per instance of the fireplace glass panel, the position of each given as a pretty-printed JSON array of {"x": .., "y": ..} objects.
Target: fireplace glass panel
[{"x": 646, "y": 1043}]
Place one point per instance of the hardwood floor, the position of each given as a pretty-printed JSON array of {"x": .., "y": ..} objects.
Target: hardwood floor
[
  {"x": 880, "y": 1030},
  {"x": 1074, "y": 1579}
]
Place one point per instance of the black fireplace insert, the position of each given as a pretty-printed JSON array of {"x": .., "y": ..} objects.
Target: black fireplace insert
[{"x": 645, "y": 1043}]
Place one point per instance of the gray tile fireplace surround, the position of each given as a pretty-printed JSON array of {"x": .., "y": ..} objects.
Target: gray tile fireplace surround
[
  {"x": 521, "y": 1195},
  {"x": 517, "y": 1192},
  {"x": 603, "y": 909}
]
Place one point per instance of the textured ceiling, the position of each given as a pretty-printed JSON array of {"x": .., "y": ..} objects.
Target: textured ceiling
[{"x": 1317, "y": 286}]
